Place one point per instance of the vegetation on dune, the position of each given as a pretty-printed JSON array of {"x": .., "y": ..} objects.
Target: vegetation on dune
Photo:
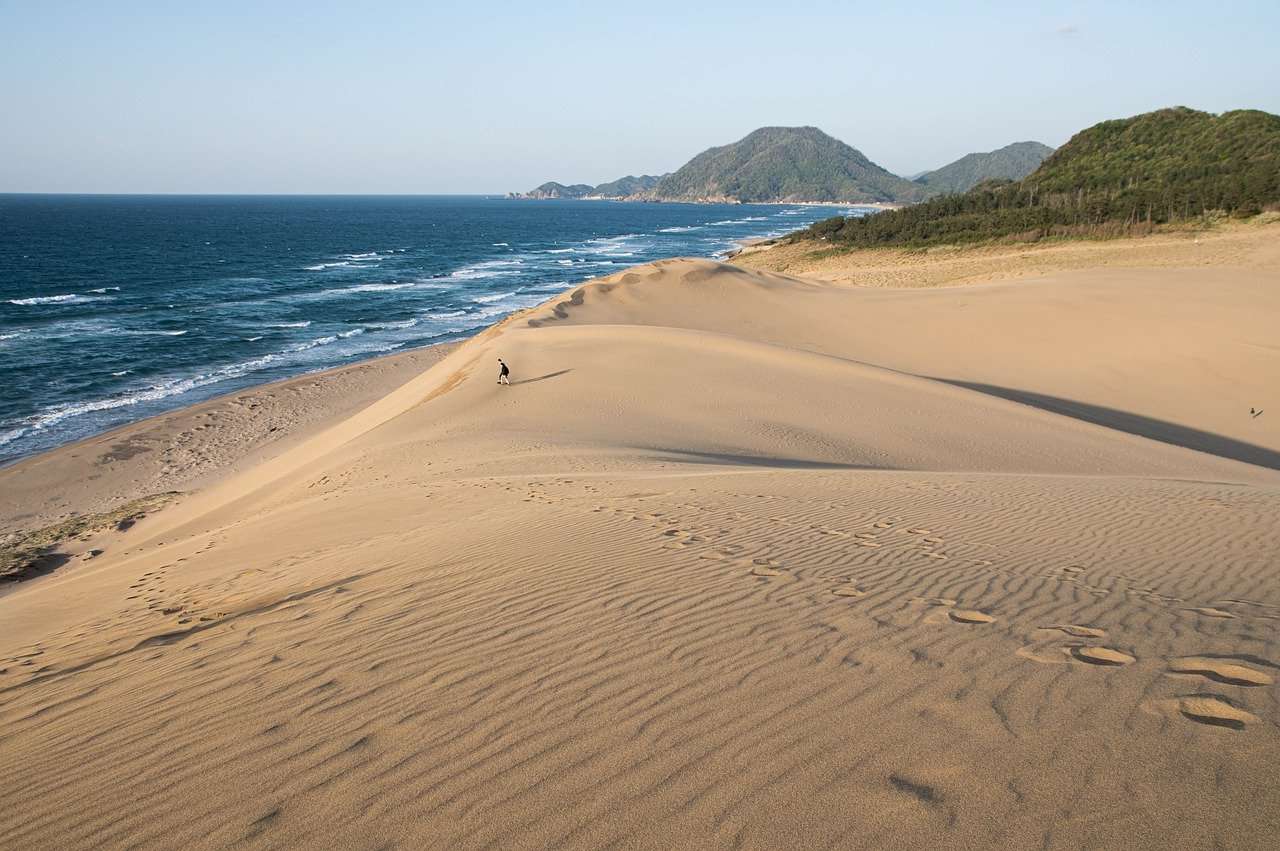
[
  {"x": 1118, "y": 177},
  {"x": 24, "y": 554},
  {"x": 1012, "y": 162}
]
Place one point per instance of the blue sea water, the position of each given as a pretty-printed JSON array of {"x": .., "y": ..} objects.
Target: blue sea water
[{"x": 114, "y": 308}]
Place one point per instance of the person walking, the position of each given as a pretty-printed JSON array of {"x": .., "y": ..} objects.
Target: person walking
[{"x": 504, "y": 373}]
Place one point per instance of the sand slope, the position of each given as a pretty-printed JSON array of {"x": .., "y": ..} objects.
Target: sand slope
[{"x": 739, "y": 560}]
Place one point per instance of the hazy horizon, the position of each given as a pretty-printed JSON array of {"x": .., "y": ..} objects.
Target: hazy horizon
[{"x": 400, "y": 100}]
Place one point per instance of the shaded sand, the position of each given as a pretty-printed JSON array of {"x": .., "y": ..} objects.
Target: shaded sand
[{"x": 596, "y": 608}]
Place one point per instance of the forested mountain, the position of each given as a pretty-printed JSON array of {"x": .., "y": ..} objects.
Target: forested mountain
[
  {"x": 551, "y": 189},
  {"x": 785, "y": 164},
  {"x": 627, "y": 186},
  {"x": 1012, "y": 162},
  {"x": 1116, "y": 177},
  {"x": 772, "y": 164},
  {"x": 623, "y": 187}
]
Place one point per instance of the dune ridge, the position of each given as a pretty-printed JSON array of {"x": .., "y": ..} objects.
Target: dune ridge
[{"x": 738, "y": 560}]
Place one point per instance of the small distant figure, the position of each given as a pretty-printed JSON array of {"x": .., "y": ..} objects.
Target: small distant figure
[
  {"x": 504, "y": 373},
  {"x": 1255, "y": 414}
]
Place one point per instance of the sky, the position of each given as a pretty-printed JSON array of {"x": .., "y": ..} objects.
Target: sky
[{"x": 488, "y": 97}]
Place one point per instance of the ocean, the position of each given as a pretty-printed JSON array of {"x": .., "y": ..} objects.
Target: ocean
[{"x": 115, "y": 308}]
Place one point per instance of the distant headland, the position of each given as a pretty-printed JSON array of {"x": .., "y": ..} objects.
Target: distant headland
[{"x": 788, "y": 165}]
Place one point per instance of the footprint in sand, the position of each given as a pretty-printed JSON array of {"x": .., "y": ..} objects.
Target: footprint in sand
[
  {"x": 972, "y": 616},
  {"x": 1211, "y": 709},
  {"x": 1076, "y": 630},
  {"x": 884, "y": 525},
  {"x": 965, "y": 616},
  {"x": 848, "y": 591},
  {"x": 1223, "y": 670},
  {"x": 1104, "y": 656},
  {"x": 765, "y": 567},
  {"x": 934, "y": 601},
  {"x": 1210, "y": 612}
]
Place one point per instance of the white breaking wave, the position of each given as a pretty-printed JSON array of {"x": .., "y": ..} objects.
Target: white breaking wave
[
  {"x": 252, "y": 339},
  {"x": 487, "y": 299},
  {"x": 680, "y": 229},
  {"x": 561, "y": 250},
  {"x": 131, "y": 332},
  {"x": 320, "y": 267},
  {"x": 369, "y": 288},
  {"x": 67, "y": 298},
  {"x": 470, "y": 273},
  {"x": 304, "y": 324},
  {"x": 155, "y": 392},
  {"x": 367, "y": 255},
  {"x": 106, "y": 290},
  {"x": 311, "y": 344}
]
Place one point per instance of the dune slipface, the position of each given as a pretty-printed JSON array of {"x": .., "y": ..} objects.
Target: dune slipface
[{"x": 737, "y": 560}]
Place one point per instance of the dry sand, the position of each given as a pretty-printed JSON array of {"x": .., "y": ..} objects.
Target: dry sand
[
  {"x": 1251, "y": 244},
  {"x": 194, "y": 446},
  {"x": 738, "y": 560}
]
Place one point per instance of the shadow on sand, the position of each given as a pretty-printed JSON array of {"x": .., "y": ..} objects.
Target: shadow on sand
[
  {"x": 693, "y": 456},
  {"x": 540, "y": 377},
  {"x": 1165, "y": 432}
]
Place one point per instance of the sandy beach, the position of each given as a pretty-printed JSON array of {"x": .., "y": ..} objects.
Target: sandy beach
[
  {"x": 871, "y": 550},
  {"x": 191, "y": 447}
]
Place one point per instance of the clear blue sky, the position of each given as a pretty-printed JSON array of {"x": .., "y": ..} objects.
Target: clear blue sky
[{"x": 409, "y": 97}]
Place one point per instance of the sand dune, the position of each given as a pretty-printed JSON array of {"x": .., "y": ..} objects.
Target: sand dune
[{"x": 738, "y": 560}]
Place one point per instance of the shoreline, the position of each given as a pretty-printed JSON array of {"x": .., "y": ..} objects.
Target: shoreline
[
  {"x": 195, "y": 445},
  {"x": 878, "y": 205}
]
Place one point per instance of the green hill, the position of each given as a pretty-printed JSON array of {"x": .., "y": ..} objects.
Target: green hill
[
  {"x": 628, "y": 186},
  {"x": 551, "y": 189},
  {"x": 1012, "y": 162},
  {"x": 785, "y": 164},
  {"x": 1117, "y": 177}
]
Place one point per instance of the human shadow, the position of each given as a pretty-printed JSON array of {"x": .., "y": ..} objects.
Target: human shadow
[
  {"x": 540, "y": 377},
  {"x": 1161, "y": 430}
]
